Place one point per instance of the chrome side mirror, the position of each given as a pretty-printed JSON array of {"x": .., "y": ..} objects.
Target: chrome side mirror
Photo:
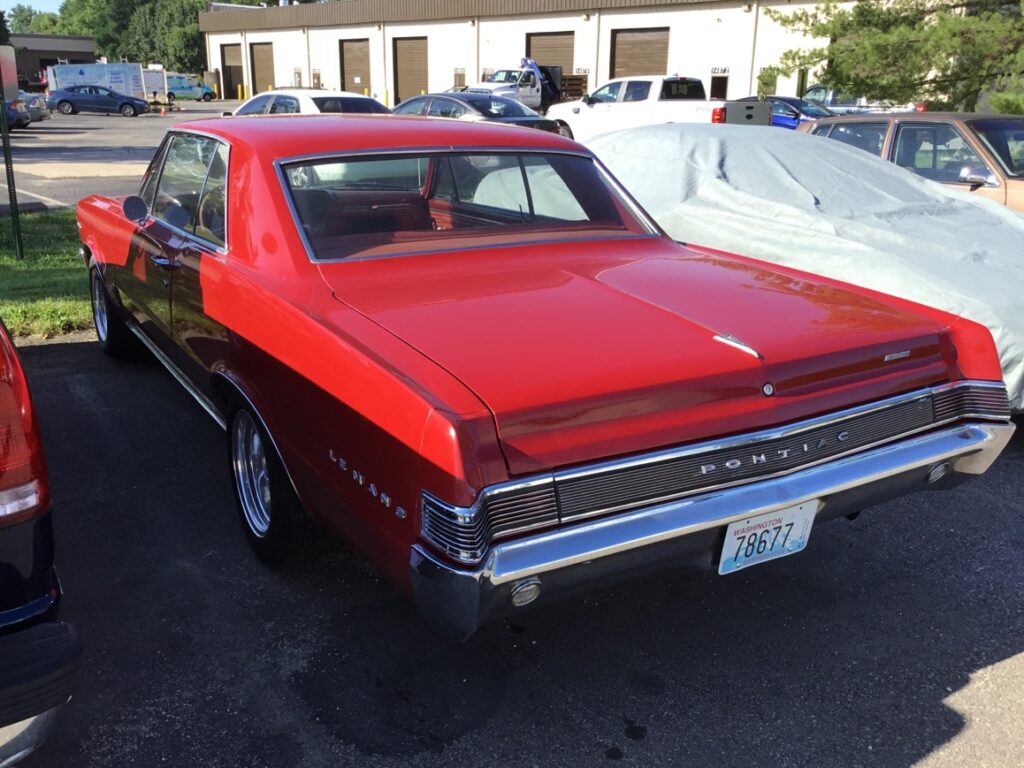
[
  {"x": 978, "y": 177},
  {"x": 134, "y": 209}
]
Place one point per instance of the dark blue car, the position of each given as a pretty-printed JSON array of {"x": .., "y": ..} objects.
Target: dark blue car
[
  {"x": 17, "y": 114},
  {"x": 790, "y": 111},
  {"x": 94, "y": 98}
]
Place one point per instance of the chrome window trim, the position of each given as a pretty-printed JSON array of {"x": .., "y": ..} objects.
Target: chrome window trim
[{"x": 280, "y": 163}]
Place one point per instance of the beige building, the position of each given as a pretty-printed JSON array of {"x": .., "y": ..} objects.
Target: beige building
[
  {"x": 393, "y": 49},
  {"x": 34, "y": 53}
]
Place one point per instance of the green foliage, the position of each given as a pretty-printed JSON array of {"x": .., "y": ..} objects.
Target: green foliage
[
  {"x": 5, "y": 34},
  {"x": 44, "y": 23},
  {"x": 166, "y": 31},
  {"x": 103, "y": 20},
  {"x": 20, "y": 18},
  {"x": 47, "y": 292},
  {"x": 943, "y": 52},
  {"x": 1007, "y": 103}
]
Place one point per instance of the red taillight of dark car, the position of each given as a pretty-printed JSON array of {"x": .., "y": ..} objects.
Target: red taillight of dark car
[
  {"x": 24, "y": 491},
  {"x": 718, "y": 115}
]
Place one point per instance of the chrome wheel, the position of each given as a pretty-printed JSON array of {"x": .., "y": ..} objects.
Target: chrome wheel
[
  {"x": 65, "y": 108},
  {"x": 249, "y": 462},
  {"x": 99, "y": 307}
]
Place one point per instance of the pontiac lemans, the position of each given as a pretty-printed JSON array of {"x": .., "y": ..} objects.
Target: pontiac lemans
[{"x": 468, "y": 351}]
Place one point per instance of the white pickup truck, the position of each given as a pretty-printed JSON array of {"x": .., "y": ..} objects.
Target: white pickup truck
[
  {"x": 522, "y": 85},
  {"x": 630, "y": 102}
]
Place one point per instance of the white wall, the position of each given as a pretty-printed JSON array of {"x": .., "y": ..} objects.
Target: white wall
[{"x": 733, "y": 35}]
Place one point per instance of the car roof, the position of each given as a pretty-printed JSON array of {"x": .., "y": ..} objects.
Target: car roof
[
  {"x": 319, "y": 92},
  {"x": 919, "y": 116},
  {"x": 285, "y": 136}
]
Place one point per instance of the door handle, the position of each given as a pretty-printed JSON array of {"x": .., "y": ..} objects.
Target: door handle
[{"x": 163, "y": 261}]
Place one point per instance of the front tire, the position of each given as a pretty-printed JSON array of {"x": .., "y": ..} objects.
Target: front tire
[
  {"x": 170, "y": 98},
  {"x": 276, "y": 526},
  {"x": 114, "y": 337},
  {"x": 128, "y": 110},
  {"x": 207, "y": 97},
  {"x": 66, "y": 108}
]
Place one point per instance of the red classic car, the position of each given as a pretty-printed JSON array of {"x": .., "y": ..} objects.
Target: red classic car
[{"x": 468, "y": 351}]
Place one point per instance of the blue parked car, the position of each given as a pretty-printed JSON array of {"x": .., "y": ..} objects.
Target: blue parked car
[
  {"x": 17, "y": 114},
  {"x": 790, "y": 111},
  {"x": 94, "y": 98}
]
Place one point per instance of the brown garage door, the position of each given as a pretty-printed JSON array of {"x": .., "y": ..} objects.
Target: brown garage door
[
  {"x": 639, "y": 52},
  {"x": 261, "y": 57},
  {"x": 552, "y": 49},
  {"x": 410, "y": 55},
  {"x": 355, "y": 66},
  {"x": 231, "y": 70}
]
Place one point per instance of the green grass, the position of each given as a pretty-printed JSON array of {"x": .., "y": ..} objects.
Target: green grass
[{"x": 47, "y": 292}]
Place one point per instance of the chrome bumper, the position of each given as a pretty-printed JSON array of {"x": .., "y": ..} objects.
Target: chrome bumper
[
  {"x": 689, "y": 530},
  {"x": 19, "y": 740}
]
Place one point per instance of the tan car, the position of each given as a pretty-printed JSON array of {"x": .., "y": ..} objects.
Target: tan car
[{"x": 981, "y": 153}]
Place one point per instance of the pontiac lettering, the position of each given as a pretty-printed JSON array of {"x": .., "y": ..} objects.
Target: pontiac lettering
[{"x": 767, "y": 457}]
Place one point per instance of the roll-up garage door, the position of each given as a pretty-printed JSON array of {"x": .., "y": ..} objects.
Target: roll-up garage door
[
  {"x": 261, "y": 56},
  {"x": 552, "y": 49},
  {"x": 410, "y": 55},
  {"x": 639, "y": 52},
  {"x": 355, "y": 66},
  {"x": 231, "y": 70}
]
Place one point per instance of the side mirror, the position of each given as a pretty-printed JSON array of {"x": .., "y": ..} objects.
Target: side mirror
[
  {"x": 977, "y": 177},
  {"x": 585, "y": 98},
  {"x": 134, "y": 209}
]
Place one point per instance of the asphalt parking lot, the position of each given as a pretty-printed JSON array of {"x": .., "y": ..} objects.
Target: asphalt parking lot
[
  {"x": 61, "y": 160},
  {"x": 896, "y": 639}
]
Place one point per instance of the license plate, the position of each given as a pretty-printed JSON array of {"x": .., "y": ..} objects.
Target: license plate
[{"x": 766, "y": 537}]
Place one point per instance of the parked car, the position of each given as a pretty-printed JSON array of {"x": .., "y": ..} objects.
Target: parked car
[
  {"x": 790, "y": 111},
  {"x": 312, "y": 101},
  {"x": 845, "y": 104},
  {"x": 980, "y": 153},
  {"x": 634, "y": 101},
  {"x": 94, "y": 98},
  {"x": 39, "y": 655},
  {"x": 35, "y": 103},
  {"x": 467, "y": 350},
  {"x": 475, "y": 106},
  {"x": 18, "y": 115},
  {"x": 188, "y": 87},
  {"x": 826, "y": 208}
]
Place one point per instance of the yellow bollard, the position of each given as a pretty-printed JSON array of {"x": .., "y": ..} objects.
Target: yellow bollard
[
  {"x": 386, "y": 99},
  {"x": 422, "y": 92},
  {"x": 216, "y": 90},
  {"x": 366, "y": 91},
  {"x": 240, "y": 92},
  {"x": 270, "y": 87}
]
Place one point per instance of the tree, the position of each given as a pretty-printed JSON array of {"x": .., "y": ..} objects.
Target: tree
[
  {"x": 44, "y": 23},
  {"x": 20, "y": 18},
  {"x": 102, "y": 20},
  {"x": 946, "y": 53},
  {"x": 166, "y": 32},
  {"x": 5, "y": 34}
]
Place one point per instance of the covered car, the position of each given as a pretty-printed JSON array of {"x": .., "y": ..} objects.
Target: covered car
[{"x": 824, "y": 207}]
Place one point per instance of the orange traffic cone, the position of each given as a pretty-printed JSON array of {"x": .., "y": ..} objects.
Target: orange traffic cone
[{"x": 163, "y": 111}]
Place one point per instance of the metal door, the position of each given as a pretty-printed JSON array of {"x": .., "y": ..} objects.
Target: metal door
[
  {"x": 410, "y": 60},
  {"x": 355, "y": 66},
  {"x": 261, "y": 57},
  {"x": 639, "y": 52}
]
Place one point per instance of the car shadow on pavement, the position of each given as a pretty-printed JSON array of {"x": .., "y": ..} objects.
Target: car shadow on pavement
[{"x": 846, "y": 654}]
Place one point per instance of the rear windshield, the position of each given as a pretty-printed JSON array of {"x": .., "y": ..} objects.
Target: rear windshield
[
  {"x": 352, "y": 104},
  {"x": 389, "y": 204},
  {"x": 1004, "y": 136},
  {"x": 682, "y": 89}
]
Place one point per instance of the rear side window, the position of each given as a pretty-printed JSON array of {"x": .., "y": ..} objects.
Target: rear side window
[
  {"x": 677, "y": 90},
  {"x": 821, "y": 130},
  {"x": 867, "y": 136},
  {"x": 284, "y": 105},
  {"x": 351, "y": 104},
  {"x": 446, "y": 108},
  {"x": 637, "y": 90},
  {"x": 181, "y": 181}
]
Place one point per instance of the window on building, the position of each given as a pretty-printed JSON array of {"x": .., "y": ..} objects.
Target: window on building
[{"x": 719, "y": 86}]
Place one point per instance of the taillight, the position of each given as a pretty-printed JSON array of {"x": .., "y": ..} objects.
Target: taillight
[
  {"x": 718, "y": 115},
  {"x": 24, "y": 491},
  {"x": 920, "y": 107}
]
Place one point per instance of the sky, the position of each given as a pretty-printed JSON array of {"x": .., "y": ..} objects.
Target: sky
[{"x": 39, "y": 5}]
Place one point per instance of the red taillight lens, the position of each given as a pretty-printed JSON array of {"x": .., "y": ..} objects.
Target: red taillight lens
[
  {"x": 718, "y": 115},
  {"x": 24, "y": 491},
  {"x": 921, "y": 107}
]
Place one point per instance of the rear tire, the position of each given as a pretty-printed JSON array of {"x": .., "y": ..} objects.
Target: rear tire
[
  {"x": 207, "y": 97},
  {"x": 276, "y": 526},
  {"x": 66, "y": 108},
  {"x": 127, "y": 110},
  {"x": 113, "y": 335}
]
